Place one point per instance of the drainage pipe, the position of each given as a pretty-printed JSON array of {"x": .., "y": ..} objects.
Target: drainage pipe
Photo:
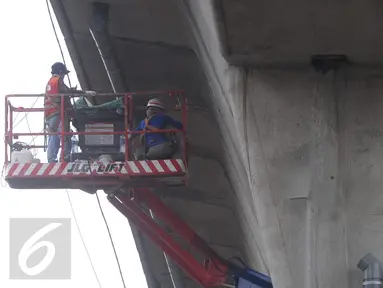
[{"x": 372, "y": 271}]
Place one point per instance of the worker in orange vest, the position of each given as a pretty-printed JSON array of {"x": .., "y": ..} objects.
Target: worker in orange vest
[{"x": 52, "y": 111}]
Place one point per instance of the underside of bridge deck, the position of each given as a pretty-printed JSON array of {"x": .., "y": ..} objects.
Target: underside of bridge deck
[{"x": 285, "y": 157}]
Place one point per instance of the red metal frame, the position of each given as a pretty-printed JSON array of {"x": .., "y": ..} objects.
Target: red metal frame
[
  {"x": 128, "y": 101},
  {"x": 132, "y": 203}
]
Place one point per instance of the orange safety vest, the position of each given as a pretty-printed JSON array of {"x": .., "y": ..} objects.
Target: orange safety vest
[{"x": 50, "y": 107}]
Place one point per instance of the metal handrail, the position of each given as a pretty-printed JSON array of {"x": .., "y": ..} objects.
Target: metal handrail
[
  {"x": 147, "y": 93},
  {"x": 128, "y": 104}
]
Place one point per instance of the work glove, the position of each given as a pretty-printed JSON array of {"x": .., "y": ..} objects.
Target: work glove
[{"x": 90, "y": 93}]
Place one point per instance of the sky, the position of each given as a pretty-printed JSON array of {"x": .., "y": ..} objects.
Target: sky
[{"x": 28, "y": 50}]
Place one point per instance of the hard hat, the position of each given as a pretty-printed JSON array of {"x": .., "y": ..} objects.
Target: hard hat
[
  {"x": 59, "y": 67},
  {"x": 155, "y": 103}
]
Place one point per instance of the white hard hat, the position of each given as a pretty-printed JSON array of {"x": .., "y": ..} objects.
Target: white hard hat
[{"x": 155, "y": 103}]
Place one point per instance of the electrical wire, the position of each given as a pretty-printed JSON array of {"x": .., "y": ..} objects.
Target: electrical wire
[
  {"x": 109, "y": 233},
  {"x": 82, "y": 239},
  {"x": 18, "y": 113},
  {"x": 26, "y": 114},
  {"x": 111, "y": 240},
  {"x": 98, "y": 200},
  {"x": 33, "y": 138},
  {"x": 57, "y": 38},
  {"x": 28, "y": 125},
  {"x": 35, "y": 153}
]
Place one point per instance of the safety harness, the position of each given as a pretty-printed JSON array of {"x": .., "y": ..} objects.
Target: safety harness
[{"x": 149, "y": 127}]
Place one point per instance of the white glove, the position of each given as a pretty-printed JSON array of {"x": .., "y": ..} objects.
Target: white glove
[{"x": 90, "y": 93}]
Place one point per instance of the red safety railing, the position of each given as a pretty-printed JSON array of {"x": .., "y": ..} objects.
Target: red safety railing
[{"x": 10, "y": 135}]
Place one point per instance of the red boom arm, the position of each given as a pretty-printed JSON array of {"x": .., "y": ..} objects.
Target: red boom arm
[{"x": 131, "y": 204}]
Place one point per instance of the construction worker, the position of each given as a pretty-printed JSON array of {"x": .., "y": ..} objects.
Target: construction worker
[
  {"x": 52, "y": 111},
  {"x": 157, "y": 145}
]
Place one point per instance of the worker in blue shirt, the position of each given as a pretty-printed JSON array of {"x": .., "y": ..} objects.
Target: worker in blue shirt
[{"x": 157, "y": 145}]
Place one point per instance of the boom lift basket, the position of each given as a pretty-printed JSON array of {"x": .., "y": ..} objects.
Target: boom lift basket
[{"x": 84, "y": 171}]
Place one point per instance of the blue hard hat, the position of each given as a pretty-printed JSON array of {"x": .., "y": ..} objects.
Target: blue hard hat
[{"x": 59, "y": 67}]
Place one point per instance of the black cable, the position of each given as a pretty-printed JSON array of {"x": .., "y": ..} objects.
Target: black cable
[
  {"x": 59, "y": 45},
  {"x": 106, "y": 223},
  {"x": 111, "y": 240},
  {"x": 82, "y": 239},
  {"x": 103, "y": 216},
  {"x": 98, "y": 200},
  {"x": 26, "y": 114},
  {"x": 33, "y": 138},
  {"x": 18, "y": 113},
  {"x": 107, "y": 227},
  {"x": 26, "y": 118},
  {"x": 57, "y": 38}
]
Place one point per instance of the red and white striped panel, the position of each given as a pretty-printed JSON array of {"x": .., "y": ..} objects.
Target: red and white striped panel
[{"x": 131, "y": 168}]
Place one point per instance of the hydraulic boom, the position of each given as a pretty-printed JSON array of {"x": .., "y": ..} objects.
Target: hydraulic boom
[{"x": 214, "y": 272}]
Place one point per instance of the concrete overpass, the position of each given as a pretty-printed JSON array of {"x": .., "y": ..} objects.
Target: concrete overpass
[{"x": 286, "y": 158}]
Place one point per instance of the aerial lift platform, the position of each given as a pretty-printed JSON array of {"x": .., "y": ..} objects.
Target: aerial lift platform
[{"x": 128, "y": 183}]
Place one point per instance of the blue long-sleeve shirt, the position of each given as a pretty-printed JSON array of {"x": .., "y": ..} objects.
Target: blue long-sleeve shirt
[{"x": 159, "y": 121}]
